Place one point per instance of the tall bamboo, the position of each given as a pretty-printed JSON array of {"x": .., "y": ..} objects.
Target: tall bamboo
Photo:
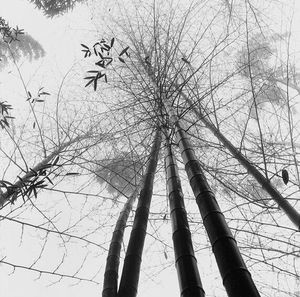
[
  {"x": 186, "y": 263},
  {"x": 237, "y": 279},
  {"x": 290, "y": 211},
  {"x": 133, "y": 258},
  {"x": 110, "y": 285}
]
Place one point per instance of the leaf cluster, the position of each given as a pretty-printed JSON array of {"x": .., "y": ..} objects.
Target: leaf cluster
[
  {"x": 33, "y": 180},
  {"x": 37, "y": 98},
  {"x": 5, "y": 114},
  {"x": 8, "y": 33},
  {"x": 101, "y": 50}
]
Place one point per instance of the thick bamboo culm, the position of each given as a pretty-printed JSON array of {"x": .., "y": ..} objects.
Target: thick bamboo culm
[
  {"x": 131, "y": 269},
  {"x": 110, "y": 284},
  {"x": 186, "y": 263},
  {"x": 237, "y": 279},
  {"x": 283, "y": 203}
]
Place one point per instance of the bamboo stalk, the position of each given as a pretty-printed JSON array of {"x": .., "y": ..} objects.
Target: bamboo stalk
[
  {"x": 290, "y": 211},
  {"x": 237, "y": 279},
  {"x": 131, "y": 269},
  {"x": 186, "y": 263},
  {"x": 110, "y": 285}
]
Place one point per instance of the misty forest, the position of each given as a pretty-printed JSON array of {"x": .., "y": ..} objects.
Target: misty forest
[{"x": 150, "y": 148}]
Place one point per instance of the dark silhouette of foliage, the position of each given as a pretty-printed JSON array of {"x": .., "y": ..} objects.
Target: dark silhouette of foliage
[
  {"x": 21, "y": 46},
  {"x": 119, "y": 174},
  {"x": 52, "y": 8}
]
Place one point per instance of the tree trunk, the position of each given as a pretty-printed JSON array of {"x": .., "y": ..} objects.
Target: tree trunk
[
  {"x": 133, "y": 258},
  {"x": 186, "y": 263},
  {"x": 236, "y": 277}
]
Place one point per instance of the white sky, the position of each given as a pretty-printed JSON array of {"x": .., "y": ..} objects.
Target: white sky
[{"x": 61, "y": 38}]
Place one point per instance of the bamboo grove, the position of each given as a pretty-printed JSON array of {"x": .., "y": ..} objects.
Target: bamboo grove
[
  {"x": 186, "y": 124},
  {"x": 168, "y": 82}
]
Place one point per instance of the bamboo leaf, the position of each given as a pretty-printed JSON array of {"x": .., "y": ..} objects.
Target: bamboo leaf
[
  {"x": 89, "y": 82},
  {"x": 95, "y": 84},
  {"x": 185, "y": 60},
  {"x": 122, "y": 60},
  {"x": 285, "y": 176},
  {"x": 100, "y": 63},
  {"x": 35, "y": 192},
  {"x": 124, "y": 51},
  {"x": 95, "y": 51},
  {"x": 72, "y": 173},
  {"x": 112, "y": 42},
  {"x": 49, "y": 180},
  {"x": 100, "y": 55},
  {"x": 106, "y": 47},
  {"x": 85, "y": 46},
  {"x": 44, "y": 93}
]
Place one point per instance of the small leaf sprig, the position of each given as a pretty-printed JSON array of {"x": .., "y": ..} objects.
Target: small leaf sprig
[
  {"x": 8, "y": 33},
  {"x": 4, "y": 107},
  {"x": 38, "y": 97},
  {"x": 102, "y": 50},
  {"x": 26, "y": 186}
]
